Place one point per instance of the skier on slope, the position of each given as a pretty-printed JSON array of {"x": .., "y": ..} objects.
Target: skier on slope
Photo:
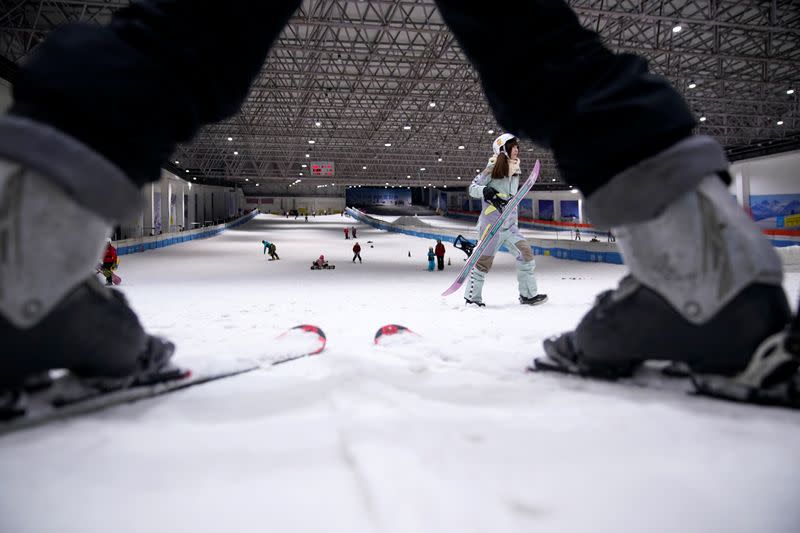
[
  {"x": 439, "y": 251},
  {"x": 271, "y": 248},
  {"x": 110, "y": 262},
  {"x": 495, "y": 185}
]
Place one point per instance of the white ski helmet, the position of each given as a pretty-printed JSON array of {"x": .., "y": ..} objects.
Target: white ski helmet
[{"x": 499, "y": 144}]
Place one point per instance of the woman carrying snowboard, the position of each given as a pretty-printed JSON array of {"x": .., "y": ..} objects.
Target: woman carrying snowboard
[{"x": 495, "y": 186}]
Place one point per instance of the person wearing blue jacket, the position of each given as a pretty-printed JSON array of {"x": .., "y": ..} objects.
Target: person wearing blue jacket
[
  {"x": 496, "y": 185},
  {"x": 431, "y": 259},
  {"x": 271, "y": 248}
]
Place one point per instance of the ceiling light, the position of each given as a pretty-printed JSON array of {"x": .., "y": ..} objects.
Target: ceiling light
[
  {"x": 311, "y": 141},
  {"x": 235, "y": 152},
  {"x": 307, "y": 155},
  {"x": 304, "y": 165},
  {"x": 459, "y": 177},
  {"x": 677, "y": 28},
  {"x": 187, "y": 170},
  {"x": 440, "y": 159},
  {"x": 387, "y": 144},
  {"x": 554, "y": 179},
  {"x": 230, "y": 139},
  {"x": 300, "y": 173},
  {"x": 177, "y": 162},
  {"x": 387, "y": 183},
  {"x": 258, "y": 185},
  {"x": 333, "y": 184},
  {"x": 790, "y": 91},
  {"x": 490, "y": 131},
  {"x": 780, "y": 123},
  {"x": 703, "y": 119},
  {"x": 429, "y": 185},
  {"x": 298, "y": 181},
  {"x": 247, "y": 179},
  {"x": 409, "y": 177},
  {"x": 363, "y": 168},
  {"x": 575, "y": 191},
  {"x": 318, "y": 124},
  {"x": 406, "y": 127},
  {"x": 423, "y": 169},
  {"x": 692, "y": 85},
  {"x": 195, "y": 178},
  {"x": 445, "y": 186},
  {"x": 477, "y": 170},
  {"x": 432, "y": 104}
]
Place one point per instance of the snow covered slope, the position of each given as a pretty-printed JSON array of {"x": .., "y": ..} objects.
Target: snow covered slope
[{"x": 444, "y": 435}]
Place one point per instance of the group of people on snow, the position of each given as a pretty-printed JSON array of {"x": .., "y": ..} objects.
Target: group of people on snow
[
  {"x": 436, "y": 253},
  {"x": 350, "y": 231}
]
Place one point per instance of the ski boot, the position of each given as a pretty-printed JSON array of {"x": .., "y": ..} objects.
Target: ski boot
[
  {"x": 704, "y": 287},
  {"x": 51, "y": 213},
  {"x": 533, "y": 300},
  {"x": 771, "y": 378},
  {"x": 472, "y": 294}
]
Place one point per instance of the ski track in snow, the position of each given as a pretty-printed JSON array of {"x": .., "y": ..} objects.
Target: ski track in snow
[{"x": 444, "y": 433}]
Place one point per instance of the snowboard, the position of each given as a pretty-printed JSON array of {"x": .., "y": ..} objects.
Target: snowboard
[
  {"x": 329, "y": 267},
  {"x": 493, "y": 230},
  {"x": 116, "y": 280},
  {"x": 68, "y": 396}
]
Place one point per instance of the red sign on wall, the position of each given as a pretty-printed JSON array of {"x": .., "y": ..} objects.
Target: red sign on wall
[{"x": 322, "y": 168}]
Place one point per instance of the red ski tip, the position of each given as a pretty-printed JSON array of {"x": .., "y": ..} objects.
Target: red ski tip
[{"x": 390, "y": 329}]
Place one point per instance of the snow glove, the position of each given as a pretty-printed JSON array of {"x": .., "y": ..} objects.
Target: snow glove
[{"x": 491, "y": 196}]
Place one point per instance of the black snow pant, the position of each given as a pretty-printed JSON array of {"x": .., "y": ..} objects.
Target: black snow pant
[
  {"x": 357, "y": 255},
  {"x": 440, "y": 262},
  {"x": 134, "y": 89}
]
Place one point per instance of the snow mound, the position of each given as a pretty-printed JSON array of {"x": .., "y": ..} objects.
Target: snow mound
[{"x": 411, "y": 221}]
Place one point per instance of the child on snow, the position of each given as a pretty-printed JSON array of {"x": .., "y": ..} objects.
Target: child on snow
[
  {"x": 110, "y": 263},
  {"x": 431, "y": 259}
]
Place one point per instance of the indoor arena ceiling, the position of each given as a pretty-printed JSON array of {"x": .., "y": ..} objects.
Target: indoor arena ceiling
[{"x": 384, "y": 85}]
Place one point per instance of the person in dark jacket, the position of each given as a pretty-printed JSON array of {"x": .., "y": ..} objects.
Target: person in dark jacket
[
  {"x": 346, "y": 233},
  {"x": 439, "y": 251},
  {"x": 356, "y": 252}
]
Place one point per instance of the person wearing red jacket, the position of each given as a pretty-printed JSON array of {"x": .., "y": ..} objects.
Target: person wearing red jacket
[
  {"x": 346, "y": 233},
  {"x": 110, "y": 262},
  {"x": 439, "y": 251},
  {"x": 357, "y": 252}
]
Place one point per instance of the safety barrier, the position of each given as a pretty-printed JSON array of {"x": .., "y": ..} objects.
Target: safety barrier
[
  {"x": 595, "y": 252},
  {"x": 778, "y": 237},
  {"x": 141, "y": 244}
]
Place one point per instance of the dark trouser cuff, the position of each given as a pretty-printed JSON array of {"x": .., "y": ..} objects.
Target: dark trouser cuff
[
  {"x": 90, "y": 179},
  {"x": 644, "y": 190}
]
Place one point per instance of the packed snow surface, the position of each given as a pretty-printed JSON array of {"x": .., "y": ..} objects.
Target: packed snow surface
[{"x": 441, "y": 433}]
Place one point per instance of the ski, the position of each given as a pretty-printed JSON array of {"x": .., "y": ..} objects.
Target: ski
[
  {"x": 492, "y": 231},
  {"x": 300, "y": 341},
  {"x": 392, "y": 332},
  {"x": 68, "y": 396}
]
